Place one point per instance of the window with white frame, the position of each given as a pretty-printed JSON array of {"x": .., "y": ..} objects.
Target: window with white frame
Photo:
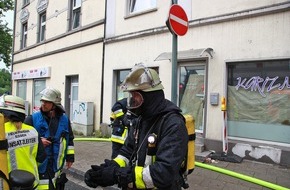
[
  {"x": 42, "y": 27},
  {"x": 75, "y": 13},
  {"x": 38, "y": 86},
  {"x": 25, "y": 2},
  {"x": 21, "y": 89},
  {"x": 24, "y": 35},
  {"x": 135, "y": 6}
]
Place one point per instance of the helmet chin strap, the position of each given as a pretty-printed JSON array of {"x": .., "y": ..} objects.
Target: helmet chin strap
[{"x": 52, "y": 112}]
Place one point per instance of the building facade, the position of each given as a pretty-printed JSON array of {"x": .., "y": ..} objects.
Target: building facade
[
  {"x": 59, "y": 44},
  {"x": 237, "y": 51}
]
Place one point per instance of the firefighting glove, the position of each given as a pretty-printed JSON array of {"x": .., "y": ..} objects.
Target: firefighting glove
[
  {"x": 104, "y": 177},
  {"x": 125, "y": 176},
  {"x": 89, "y": 179},
  {"x": 106, "y": 163},
  {"x": 92, "y": 174}
]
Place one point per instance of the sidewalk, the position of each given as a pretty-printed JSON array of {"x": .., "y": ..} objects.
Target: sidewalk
[{"x": 88, "y": 153}]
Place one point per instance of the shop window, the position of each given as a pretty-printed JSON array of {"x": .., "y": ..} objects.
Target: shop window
[
  {"x": 38, "y": 86},
  {"x": 259, "y": 100},
  {"x": 135, "y": 6},
  {"x": 42, "y": 27},
  {"x": 21, "y": 89},
  {"x": 75, "y": 14},
  {"x": 24, "y": 36}
]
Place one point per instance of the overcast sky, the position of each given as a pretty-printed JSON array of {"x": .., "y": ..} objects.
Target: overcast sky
[{"x": 9, "y": 18}]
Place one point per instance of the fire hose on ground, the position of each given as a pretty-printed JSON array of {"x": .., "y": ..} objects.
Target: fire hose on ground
[
  {"x": 241, "y": 176},
  {"x": 213, "y": 168}
]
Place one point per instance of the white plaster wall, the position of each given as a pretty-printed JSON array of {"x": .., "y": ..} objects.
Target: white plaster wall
[
  {"x": 201, "y": 9},
  {"x": 82, "y": 62},
  {"x": 254, "y": 38}
]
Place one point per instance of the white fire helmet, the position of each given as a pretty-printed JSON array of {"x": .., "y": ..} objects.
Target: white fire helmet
[
  {"x": 142, "y": 78},
  {"x": 12, "y": 103},
  {"x": 51, "y": 95}
]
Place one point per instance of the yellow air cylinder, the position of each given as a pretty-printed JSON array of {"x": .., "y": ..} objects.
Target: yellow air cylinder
[
  {"x": 3, "y": 153},
  {"x": 191, "y": 142}
]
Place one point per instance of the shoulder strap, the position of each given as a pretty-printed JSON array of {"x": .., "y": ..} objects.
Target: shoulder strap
[
  {"x": 161, "y": 121},
  {"x": 3, "y": 176},
  {"x": 4, "y": 144}
]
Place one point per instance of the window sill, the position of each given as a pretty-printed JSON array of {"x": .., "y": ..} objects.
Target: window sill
[{"x": 134, "y": 14}]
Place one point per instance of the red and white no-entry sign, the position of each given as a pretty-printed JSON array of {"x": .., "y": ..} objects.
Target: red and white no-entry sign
[{"x": 177, "y": 20}]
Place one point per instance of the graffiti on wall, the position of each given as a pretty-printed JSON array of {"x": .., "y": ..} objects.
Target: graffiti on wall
[
  {"x": 83, "y": 112},
  {"x": 257, "y": 83},
  {"x": 79, "y": 110}
]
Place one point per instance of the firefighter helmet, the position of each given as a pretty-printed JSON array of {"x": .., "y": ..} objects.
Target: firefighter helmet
[
  {"x": 142, "y": 78},
  {"x": 51, "y": 95},
  {"x": 12, "y": 103}
]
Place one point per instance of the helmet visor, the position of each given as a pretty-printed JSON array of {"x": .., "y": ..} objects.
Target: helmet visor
[{"x": 134, "y": 100}]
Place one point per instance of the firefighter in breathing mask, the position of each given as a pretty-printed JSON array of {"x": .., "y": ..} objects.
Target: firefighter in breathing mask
[{"x": 155, "y": 147}]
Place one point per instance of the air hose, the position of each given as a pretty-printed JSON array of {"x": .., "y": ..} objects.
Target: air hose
[
  {"x": 92, "y": 139},
  {"x": 241, "y": 176}
]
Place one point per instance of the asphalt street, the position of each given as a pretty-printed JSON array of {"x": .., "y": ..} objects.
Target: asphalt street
[{"x": 88, "y": 153}]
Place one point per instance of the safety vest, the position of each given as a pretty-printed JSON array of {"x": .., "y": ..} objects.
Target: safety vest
[
  {"x": 57, "y": 150},
  {"x": 119, "y": 135},
  {"x": 22, "y": 149}
]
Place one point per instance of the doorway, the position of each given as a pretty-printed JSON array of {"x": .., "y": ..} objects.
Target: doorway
[
  {"x": 72, "y": 91},
  {"x": 191, "y": 91}
]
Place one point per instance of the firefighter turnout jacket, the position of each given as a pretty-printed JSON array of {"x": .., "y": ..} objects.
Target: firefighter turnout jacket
[{"x": 158, "y": 149}]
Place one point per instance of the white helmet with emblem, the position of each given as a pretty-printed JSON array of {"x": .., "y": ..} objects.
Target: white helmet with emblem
[{"x": 142, "y": 78}]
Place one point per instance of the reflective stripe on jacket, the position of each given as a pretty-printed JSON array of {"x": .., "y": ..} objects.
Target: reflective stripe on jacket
[
  {"x": 161, "y": 170},
  {"x": 22, "y": 148},
  {"x": 120, "y": 132}
]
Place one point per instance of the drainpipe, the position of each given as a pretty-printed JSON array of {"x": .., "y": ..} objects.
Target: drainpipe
[
  {"x": 13, "y": 42},
  {"x": 103, "y": 66}
]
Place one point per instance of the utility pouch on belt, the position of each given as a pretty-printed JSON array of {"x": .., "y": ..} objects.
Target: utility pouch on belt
[{"x": 60, "y": 181}]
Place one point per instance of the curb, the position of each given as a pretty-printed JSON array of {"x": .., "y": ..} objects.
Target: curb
[{"x": 78, "y": 174}]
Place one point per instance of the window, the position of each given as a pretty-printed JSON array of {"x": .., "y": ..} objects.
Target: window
[
  {"x": 24, "y": 36},
  {"x": 38, "y": 86},
  {"x": 21, "y": 89},
  {"x": 75, "y": 13},
  {"x": 259, "y": 100},
  {"x": 192, "y": 91},
  {"x": 140, "y": 5},
  {"x": 41, "y": 25},
  {"x": 121, "y": 75},
  {"x": 25, "y": 2}
]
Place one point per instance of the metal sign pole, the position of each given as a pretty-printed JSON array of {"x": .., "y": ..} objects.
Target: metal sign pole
[{"x": 174, "y": 66}]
